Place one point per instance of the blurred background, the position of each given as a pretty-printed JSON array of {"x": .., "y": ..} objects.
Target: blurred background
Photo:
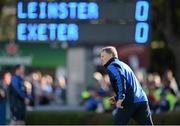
[{"x": 59, "y": 41}]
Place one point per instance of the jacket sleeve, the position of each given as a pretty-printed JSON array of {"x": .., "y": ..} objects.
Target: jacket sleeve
[
  {"x": 118, "y": 79},
  {"x": 18, "y": 89}
]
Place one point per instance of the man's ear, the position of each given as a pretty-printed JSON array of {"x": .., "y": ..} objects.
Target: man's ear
[{"x": 111, "y": 55}]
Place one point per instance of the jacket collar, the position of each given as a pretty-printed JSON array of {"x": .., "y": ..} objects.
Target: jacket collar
[
  {"x": 109, "y": 62},
  {"x": 18, "y": 76}
]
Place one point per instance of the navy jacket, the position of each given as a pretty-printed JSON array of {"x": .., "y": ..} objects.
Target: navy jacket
[
  {"x": 124, "y": 82},
  {"x": 17, "y": 92}
]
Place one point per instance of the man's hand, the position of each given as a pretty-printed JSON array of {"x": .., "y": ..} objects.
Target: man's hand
[
  {"x": 2, "y": 93},
  {"x": 112, "y": 100},
  {"x": 27, "y": 101},
  {"x": 119, "y": 104}
]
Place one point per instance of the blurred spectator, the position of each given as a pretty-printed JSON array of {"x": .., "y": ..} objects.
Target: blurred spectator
[
  {"x": 141, "y": 78},
  {"x": 30, "y": 92},
  {"x": 150, "y": 88},
  {"x": 172, "y": 100},
  {"x": 84, "y": 96},
  {"x": 18, "y": 96},
  {"x": 106, "y": 103},
  {"x": 163, "y": 104},
  {"x": 177, "y": 105},
  {"x": 104, "y": 90},
  {"x": 169, "y": 77},
  {"x": 171, "y": 94},
  {"x": 90, "y": 101},
  {"x": 60, "y": 90},
  {"x": 157, "y": 81},
  {"x": 36, "y": 80},
  {"x": 100, "y": 107},
  {"x": 4, "y": 83},
  {"x": 158, "y": 86},
  {"x": 150, "y": 81},
  {"x": 46, "y": 90},
  {"x": 152, "y": 100}
]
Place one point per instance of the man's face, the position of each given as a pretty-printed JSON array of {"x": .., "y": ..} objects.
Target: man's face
[
  {"x": 21, "y": 70},
  {"x": 105, "y": 57},
  {"x": 7, "y": 78}
]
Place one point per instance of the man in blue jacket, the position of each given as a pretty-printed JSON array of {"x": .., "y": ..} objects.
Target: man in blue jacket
[
  {"x": 18, "y": 95},
  {"x": 130, "y": 99}
]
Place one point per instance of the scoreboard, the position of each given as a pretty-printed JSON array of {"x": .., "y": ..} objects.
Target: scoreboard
[{"x": 83, "y": 21}]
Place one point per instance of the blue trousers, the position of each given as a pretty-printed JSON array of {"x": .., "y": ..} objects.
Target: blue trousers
[{"x": 140, "y": 112}]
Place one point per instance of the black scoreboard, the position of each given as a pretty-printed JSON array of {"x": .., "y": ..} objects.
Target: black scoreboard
[{"x": 83, "y": 21}]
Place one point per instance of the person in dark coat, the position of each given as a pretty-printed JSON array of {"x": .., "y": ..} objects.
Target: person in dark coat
[
  {"x": 4, "y": 83},
  {"x": 130, "y": 99},
  {"x": 18, "y": 96}
]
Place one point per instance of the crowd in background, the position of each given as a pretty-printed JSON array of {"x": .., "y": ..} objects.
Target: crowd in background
[
  {"x": 19, "y": 91},
  {"x": 162, "y": 91},
  {"x": 45, "y": 89}
]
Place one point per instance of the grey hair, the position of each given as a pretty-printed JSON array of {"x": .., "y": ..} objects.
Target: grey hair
[{"x": 110, "y": 50}]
